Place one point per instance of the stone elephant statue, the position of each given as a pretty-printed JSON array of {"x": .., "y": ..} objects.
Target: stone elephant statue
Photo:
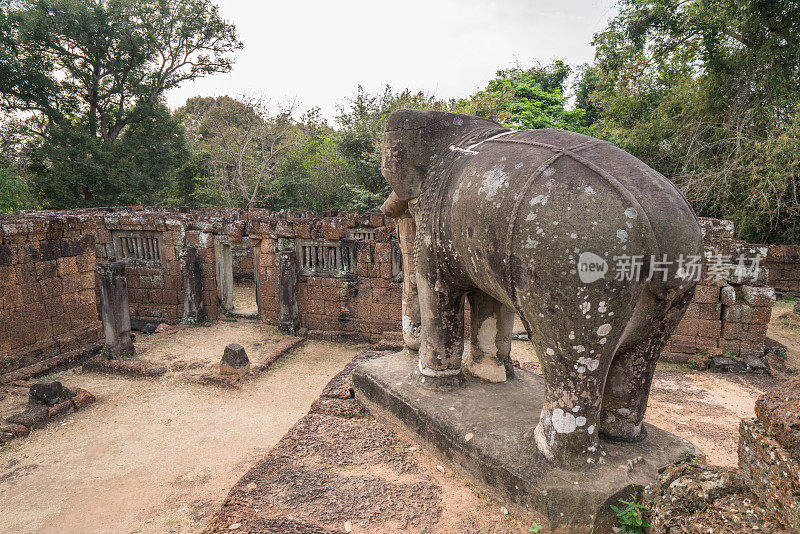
[{"x": 533, "y": 223}]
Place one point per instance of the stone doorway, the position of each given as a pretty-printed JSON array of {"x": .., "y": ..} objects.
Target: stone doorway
[{"x": 238, "y": 277}]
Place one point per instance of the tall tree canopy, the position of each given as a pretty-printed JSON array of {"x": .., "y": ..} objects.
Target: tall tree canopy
[
  {"x": 708, "y": 92},
  {"x": 92, "y": 74},
  {"x": 243, "y": 143},
  {"x": 526, "y": 98}
]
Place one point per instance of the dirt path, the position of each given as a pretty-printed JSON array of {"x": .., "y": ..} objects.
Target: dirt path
[
  {"x": 155, "y": 456},
  {"x": 784, "y": 327}
]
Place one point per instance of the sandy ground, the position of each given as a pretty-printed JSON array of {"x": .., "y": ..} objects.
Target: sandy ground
[
  {"x": 191, "y": 352},
  {"x": 784, "y": 327},
  {"x": 244, "y": 297},
  {"x": 156, "y": 455}
]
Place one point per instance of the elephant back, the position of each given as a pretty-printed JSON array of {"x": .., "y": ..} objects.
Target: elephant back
[{"x": 527, "y": 204}]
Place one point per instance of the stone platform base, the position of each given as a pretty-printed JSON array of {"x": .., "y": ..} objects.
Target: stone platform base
[{"x": 485, "y": 430}]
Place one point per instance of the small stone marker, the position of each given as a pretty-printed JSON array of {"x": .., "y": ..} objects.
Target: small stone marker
[
  {"x": 234, "y": 360},
  {"x": 48, "y": 393}
]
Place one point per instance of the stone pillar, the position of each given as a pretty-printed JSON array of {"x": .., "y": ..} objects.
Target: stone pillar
[
  {"x": 114, "y": 310},
  {"x": 289, "y": 319},
  {"x": 194, "y": 310}
]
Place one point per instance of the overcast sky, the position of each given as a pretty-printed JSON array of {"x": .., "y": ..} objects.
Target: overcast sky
[{"x": 317, "y": 52}]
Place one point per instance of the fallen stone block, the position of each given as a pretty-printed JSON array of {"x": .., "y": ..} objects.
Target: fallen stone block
[
  {"x": 9, "y": 432},
  {"x": 725, "y": 364},
  {"x": 234, "y": 360},
  {"x": 755, "y": 364},
  {"x": 62, "y": 408},
  {"x": 49, "y": 393},
  {"x": 135, "y": 368},
  {"x": 34, "y": 417},
  {"x": 82, "y": 399},
  {"x": 144, "y": 327}
]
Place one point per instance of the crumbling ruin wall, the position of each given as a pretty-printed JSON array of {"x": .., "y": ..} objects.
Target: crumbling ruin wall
[
  {"x": 349, "y": 282},
  {"x": 149, "y": 241},
  {"x": 348, "y": 285},
  {"x": 47, "y": 290},
  {"x": 769, "y": 452},
  {"x": 728, "y": 314},
  {"x": 783, "y": 264},
  {"x": 243, "y": 268}
]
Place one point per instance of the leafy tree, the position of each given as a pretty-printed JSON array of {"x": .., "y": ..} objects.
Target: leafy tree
[
  {"x": 362, "y": 121},
  {"x": 244, "y": 142},
  {"x": 708, "y": 92},
  {"x": 74, "y": 169},
  {"x": 314, "y": 174},
  {"x": 523, "y": 99},
  {"x": 14, "y": 193},
  {"x": 92, "y": 74}
]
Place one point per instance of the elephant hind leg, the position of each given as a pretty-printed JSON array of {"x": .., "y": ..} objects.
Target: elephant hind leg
[
  {"x": 630, "y": 374},
  {"x": 491, "y": 325}
]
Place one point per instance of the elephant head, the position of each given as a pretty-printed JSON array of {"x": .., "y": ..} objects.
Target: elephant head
[{"x": 411, "y": 143}]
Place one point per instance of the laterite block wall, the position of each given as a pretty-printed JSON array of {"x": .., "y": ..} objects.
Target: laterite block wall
[
  {"x": 47, "y": 290},
  {"x": 728, "y": 315}
]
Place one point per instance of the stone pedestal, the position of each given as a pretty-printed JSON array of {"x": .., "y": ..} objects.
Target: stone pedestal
[
  {"x": 234, "y": 360},
  {"x": 289, "y": 319},
  {"x": 114, "y": 310},
  {"x": 194, "y": 311},
  {"x": 485, "y": 430}
]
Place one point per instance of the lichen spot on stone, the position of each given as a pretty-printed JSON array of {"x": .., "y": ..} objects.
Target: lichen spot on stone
[
  {"x": 586, "y": 306},
  {"x": 493, "y": 180},
  {"x": 550, "y": 352},
  {"x": 602, "y": 307},
  {"x": 572, "y": 334},
  {"x": 539, "y": 199},
  {"x": 563, "y": 422},
  {"x": 622, "y": 235},
  {"x": 589, "y": 190},
  {"x": 631, "y": 213},
  {"x": 604, "y": 330}
]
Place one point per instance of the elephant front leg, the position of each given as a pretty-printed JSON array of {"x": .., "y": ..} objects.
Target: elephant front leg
[
  {"x": 407, "y": 231},
  {"x": 491, "y": 326},
  {"x": 442, "y": 340}
]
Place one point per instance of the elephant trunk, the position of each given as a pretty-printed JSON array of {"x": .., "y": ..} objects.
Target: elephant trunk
[{"x": 394, "y": 207}]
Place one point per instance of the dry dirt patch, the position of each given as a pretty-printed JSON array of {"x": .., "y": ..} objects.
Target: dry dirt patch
[
  {"x": 784, "y": 327},
  {"x": 157, "y": 455}
]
